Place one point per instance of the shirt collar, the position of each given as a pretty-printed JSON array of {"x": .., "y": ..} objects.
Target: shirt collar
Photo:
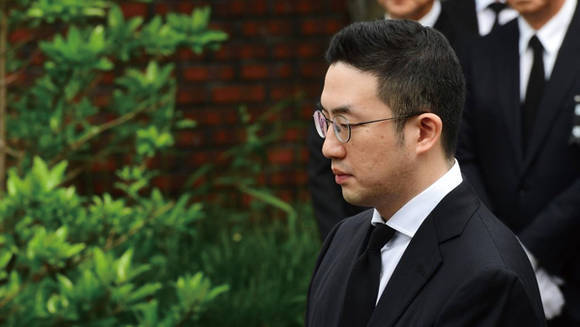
[
  {"x": 481, "y": 5},
  {"x": 430, "y": 18},
  {"x": 552, "y": 33},
  {"x": 408, "y": 219}
]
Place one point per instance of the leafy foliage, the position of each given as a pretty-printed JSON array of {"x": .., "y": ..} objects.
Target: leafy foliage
[
  {"x": 105, "y": 88},
  {"x": 68, "y": 259},
  {"x": 58, "y": 117}
]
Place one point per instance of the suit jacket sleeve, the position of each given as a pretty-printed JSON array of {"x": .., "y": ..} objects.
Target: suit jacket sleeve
[
  {"x": 494, "y": 297},
  {"x": 555, "y": 230}
]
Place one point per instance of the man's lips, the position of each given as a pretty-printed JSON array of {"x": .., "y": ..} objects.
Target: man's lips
[{"x": 340, "y": 177}]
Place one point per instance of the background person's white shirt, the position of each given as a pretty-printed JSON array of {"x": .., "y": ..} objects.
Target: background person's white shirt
[{"x": 486, "y": 16}]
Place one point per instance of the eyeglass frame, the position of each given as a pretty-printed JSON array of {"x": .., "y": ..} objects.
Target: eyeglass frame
[{"x": 349, "y": 125}]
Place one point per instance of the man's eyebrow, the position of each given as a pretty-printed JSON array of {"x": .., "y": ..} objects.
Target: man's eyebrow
[{"x": 334, "y": 111}]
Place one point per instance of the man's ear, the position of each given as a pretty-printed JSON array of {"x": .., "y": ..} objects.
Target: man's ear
[{"x": 430, "y": 127}]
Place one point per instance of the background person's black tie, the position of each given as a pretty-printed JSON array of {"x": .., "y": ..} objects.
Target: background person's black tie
[
  {"x": 497, "y": 7},
  {"x": 534, "y": 91},
  {"x": 363, "y": 283}
]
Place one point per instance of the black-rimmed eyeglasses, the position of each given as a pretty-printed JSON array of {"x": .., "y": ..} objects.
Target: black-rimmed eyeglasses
[{"x": 342, "y": 127}]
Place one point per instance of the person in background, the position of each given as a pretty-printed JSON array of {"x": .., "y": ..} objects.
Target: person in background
[
  {"x": 428, "y": 253},
  {"x": 520, "y": 137}
]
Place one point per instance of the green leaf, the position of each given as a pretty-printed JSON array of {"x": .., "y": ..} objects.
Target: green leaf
[
  {"x": 123, "y": 265},
  {"x": 144, "y": 291}
]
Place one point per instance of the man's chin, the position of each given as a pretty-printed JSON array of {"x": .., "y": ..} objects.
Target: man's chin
[{"x": 351, "y": 198}]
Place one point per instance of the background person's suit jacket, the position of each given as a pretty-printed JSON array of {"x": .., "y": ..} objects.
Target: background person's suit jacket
[{"x": 536, "y": 193}]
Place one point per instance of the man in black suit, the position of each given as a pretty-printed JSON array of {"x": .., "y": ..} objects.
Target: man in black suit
[
  {"x": 517, "y": 144},
  {"x": 429, "y": 253}
]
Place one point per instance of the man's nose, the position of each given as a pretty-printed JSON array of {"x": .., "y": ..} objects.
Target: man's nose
[{"x": 332, "y": 148}]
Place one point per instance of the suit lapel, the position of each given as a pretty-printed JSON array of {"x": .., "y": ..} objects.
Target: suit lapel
[
  {"x": 419, "y": 262},
  {"x": 566, "y": 68},
  {"x": 422, "y": 257}
]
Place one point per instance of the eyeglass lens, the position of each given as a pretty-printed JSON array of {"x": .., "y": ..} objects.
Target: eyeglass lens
[
  {"x": 340, "y": 126},
  {"x": 320, "y": 123}
]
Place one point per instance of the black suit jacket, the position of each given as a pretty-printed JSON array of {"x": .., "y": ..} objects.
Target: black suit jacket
[
  {"x": 462, "y": 268},
  {"x": 536, "y": 193},
  {"x": 458, "y": 22}
]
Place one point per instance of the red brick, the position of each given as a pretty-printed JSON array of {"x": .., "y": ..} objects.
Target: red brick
[
  {"x": 254, "y": 71},
  {"x": 283, "y": 51},
  {"x": 307, "y": 6},
  {"x": 279, "y": 27},
  {"x": 242, "y": 51},
  {"x": 293, "y": 134},
  {"x": 285, "y": 195},
  {"x": 310, "y": 27},
  {"x": 185, "y": 7},
  {"x": 162, "y": 9},
  {"x": 134, "y": 9},
  {"x": 191, "y": 95},
  {"x": 108, "y": 78},
  {"x": 258, "y": 7},
  {"x": 313, "y": 69},
  {"x": 106, "y": 166},
  {"x": 189, "y": 138},
  {"x": 301, "y": 177},
  {"x": 308, "y": 50},
  {"x": 201, "y": 73},
  {"x": 213, "y": 118},
  {"x": 320, "y": 26},
  {"x": 332, "y": 26},
  {"x": 199, "y": 158},
  {"x": 339, "y": 7},
  {"x": 251, "y": 28},
  {"x": 297, "y": 6},
  {"x": 303, "y": 155},
  {"x": 281, "y": 92},
  {"x": 162, "y": 182},
  {"x": 21, "y": 34},
  {"x": 281, "y": 156},
  {"x": 237, "y": 7},
  {"x": 196, "y": 73},
  {"x": 102, "y": 100},
  {"x": 232, "y": 93},
  {"x": 282, "y": 71},
  {"x": 279, "y": 179}
]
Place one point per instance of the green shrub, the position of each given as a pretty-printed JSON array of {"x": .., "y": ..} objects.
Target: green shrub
[
  {"x": 68, "y": 259},
  {"x": 71, "y": 260}
]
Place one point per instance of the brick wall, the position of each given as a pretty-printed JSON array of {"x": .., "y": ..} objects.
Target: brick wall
[{"x": 275, "y": 51}]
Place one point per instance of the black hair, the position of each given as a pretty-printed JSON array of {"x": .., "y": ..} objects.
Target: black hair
[{"x": 416, "y": 68}]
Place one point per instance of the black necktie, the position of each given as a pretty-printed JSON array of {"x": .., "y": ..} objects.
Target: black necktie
[
  {"x": 534, "y": 90},
  {"x": 497, "y": 7},
  {"x": 363, "y": 283}
]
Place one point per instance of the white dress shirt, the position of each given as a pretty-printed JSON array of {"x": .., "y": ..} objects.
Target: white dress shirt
[
  {"x": 430, "y": 18},
  {"x": 551, "y": 35},
  {"x": 407, "y": 220},
  {"x": 486, "y": 16}
]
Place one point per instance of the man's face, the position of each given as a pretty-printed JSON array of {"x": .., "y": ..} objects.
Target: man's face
[
  {"x": 407, "y": 9},
  {"x": 373, "y": 167},
  {"x": 530, "y": 7}
]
